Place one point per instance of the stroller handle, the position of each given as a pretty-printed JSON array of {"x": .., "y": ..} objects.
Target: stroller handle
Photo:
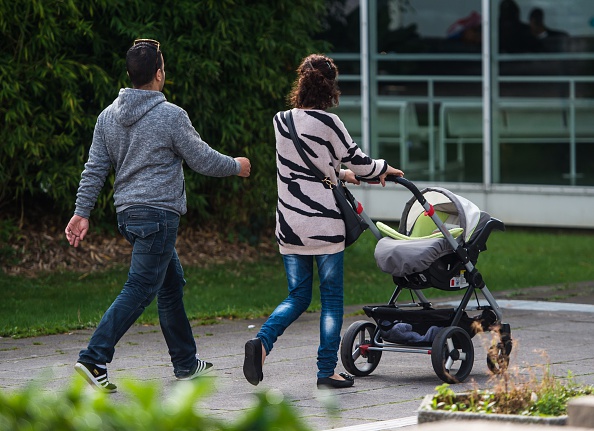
[{"x": 399, "y": 180}]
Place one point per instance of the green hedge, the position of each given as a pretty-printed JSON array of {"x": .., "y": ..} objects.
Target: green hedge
[
  {"x": 229, "y": 63},
  {"x": 144, "y": 409}
]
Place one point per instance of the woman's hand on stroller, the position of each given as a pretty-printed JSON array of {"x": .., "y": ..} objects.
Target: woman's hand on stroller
[
  {"x": 390, "y": 171},
  {"x": 350, "y": 177}
]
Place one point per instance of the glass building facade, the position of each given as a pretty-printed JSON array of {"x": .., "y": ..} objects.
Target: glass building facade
[
  {"x": 492, "y": 96},
  {"x": 492, "y": 99}
]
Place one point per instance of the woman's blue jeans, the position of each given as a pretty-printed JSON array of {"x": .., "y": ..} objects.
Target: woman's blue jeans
[
  {"x": 155, "y": 271},
  {"x": 299, "y": 270}
]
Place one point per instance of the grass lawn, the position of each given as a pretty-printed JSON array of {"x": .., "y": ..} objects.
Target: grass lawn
[{"x": 60, "y": 302}]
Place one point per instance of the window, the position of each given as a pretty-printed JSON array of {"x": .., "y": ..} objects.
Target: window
[{"x": 426, "y": 90}]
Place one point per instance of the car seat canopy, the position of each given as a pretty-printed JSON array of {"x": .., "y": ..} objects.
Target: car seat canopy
[{"x": 455, "y": 211}]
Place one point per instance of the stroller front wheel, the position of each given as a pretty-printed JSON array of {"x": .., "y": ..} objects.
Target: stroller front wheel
[
  {"x": 452, "y": 354},
  {"x": 356, "y": 358}
]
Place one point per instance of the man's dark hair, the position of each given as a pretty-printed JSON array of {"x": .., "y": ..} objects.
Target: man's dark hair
[
  {"x": 509, "y": 11},
  {"x": 142, "y": 63},
  {"x": 537, "y": 16}
]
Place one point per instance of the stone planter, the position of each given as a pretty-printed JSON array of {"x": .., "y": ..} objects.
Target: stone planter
[{"x": 426, "y": 414}]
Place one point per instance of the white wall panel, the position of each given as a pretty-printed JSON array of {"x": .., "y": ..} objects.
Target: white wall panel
[{"x": 565, "y": 207}]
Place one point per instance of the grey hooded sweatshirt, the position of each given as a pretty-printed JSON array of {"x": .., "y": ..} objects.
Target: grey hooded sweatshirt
[{"x": 146, "y": 139}]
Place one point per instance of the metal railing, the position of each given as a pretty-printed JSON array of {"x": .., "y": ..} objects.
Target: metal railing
[{"x": 426, "y": 94}]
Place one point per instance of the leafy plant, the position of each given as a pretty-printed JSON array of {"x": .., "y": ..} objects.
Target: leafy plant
[
  {"x": 544, "y": 397},
  {"x": 144, "y": 409},
  {"x": 8, "y": 232}
]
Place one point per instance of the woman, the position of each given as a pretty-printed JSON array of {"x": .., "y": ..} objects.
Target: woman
[{"x": 308, "y": 223}]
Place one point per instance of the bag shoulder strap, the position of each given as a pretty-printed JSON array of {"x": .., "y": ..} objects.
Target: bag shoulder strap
[{"x": 291, "y": 125}]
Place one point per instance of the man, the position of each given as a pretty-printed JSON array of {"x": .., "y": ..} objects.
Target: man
[
  {"x": 538, "y": 27},
  {"x": 145, "y": 139},
  {"x": 515, "y": 36}
]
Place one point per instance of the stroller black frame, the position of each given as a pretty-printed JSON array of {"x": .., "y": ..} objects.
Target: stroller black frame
[{"x": 452, "y": 349}]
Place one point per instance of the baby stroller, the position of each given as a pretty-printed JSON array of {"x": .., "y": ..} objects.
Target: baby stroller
[{"x": 437, "y": 246}]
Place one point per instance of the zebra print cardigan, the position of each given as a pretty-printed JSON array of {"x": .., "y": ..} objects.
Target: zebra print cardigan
[{"x": 308, "y": 222}]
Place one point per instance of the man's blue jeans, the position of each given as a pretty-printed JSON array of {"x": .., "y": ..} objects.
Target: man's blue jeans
[
  {"x": 155, "y": 270},
  {"x": 299, "y": 271}
]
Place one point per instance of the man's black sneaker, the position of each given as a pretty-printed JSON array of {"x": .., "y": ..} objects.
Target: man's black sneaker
[
  {"x": 96, "y": 376},
  {"x": 202, "y": 367}
]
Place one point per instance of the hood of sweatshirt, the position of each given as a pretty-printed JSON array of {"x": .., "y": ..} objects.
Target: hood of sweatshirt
[{"x": 132, "y": 104}]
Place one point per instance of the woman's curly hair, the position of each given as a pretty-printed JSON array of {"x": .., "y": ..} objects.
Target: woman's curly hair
[{"x": 315, "y": 86}]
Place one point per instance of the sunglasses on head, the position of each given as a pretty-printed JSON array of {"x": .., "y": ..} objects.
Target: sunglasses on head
[{"x": 151, "y": 42}]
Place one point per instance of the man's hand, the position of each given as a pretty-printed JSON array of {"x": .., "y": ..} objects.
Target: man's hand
[
  {"x": 246, "y": 166},
  {"x": 76, "y": 230}
]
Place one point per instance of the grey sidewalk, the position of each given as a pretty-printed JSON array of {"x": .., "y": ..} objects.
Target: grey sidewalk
[{"x": 387, "y": 399}]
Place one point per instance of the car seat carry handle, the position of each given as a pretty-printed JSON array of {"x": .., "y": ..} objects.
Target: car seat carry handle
[
  {"x": 400, "y": 180},
  {"x": 413, "y": 189}
]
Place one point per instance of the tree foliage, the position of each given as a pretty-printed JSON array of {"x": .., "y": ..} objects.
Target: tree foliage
[{"x": 229, "y": 64}]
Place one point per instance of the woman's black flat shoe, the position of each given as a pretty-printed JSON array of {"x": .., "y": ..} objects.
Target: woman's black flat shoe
[
  {"x": 252, "y": 363},
  {"x": 328, "y": 382}
]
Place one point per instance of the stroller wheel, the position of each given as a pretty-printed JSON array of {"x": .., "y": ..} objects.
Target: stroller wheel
[
  {"x": 354, "y": 353},
  {"x": 452, "y": 354},
  {"x": 498, "y": 353}
]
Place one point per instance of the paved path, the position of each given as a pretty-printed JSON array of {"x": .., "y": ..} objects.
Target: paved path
[{"x": 557, "y": 333}]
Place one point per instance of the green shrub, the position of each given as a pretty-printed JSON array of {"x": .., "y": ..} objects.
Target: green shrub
[
  {"x": 8, "y": 231},
  {"x": 544, "y": 397},
  {"x": 229, "y": 64},
  {"x": 145, "y": 409}
]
